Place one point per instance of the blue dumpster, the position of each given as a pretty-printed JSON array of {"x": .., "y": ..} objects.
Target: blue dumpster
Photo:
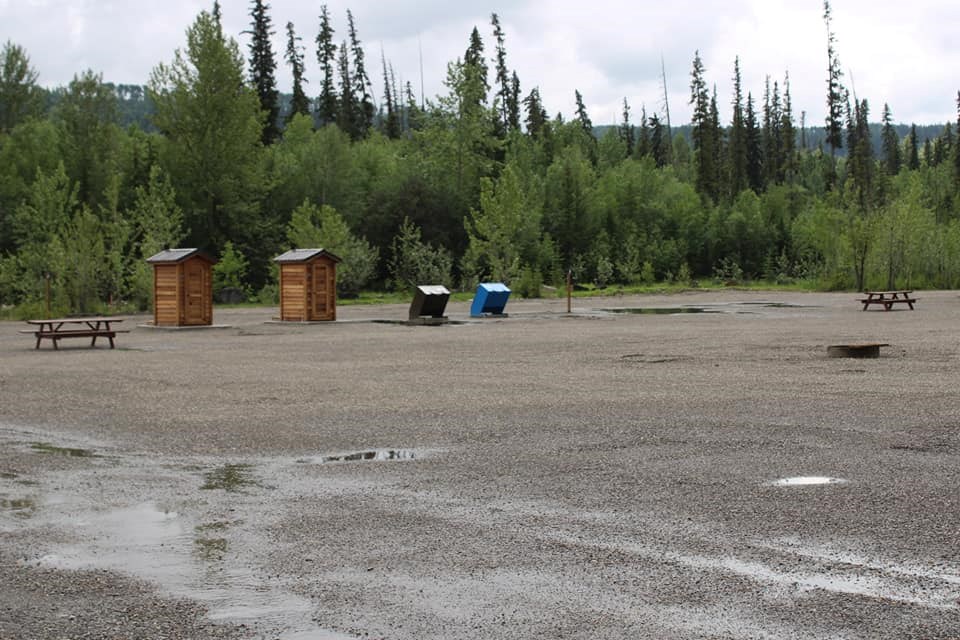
[{"x": 490, "y": 299}]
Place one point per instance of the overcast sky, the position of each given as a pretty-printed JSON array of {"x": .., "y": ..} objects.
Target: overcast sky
[{"x": 900, "y": 53}]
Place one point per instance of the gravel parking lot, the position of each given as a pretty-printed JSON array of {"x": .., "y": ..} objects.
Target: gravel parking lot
[{"x": 663, "y": 466}]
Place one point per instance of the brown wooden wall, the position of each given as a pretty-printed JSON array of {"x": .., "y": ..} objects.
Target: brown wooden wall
[
  {"x": 293, "y": 292},
  {"x": 183, "y": 293},
  {"x": 308, "y": 290}
]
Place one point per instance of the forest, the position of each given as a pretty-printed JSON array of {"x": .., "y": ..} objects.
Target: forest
[{"x": 477, "y": 184}]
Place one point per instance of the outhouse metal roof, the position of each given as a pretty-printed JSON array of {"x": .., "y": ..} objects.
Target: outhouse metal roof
[
  {"x": 178, "y": 255},
  {"x": 303, "y": 255}
]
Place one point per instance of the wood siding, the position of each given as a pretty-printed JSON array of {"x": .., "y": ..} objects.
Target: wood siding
[
  {"x": 308, "y": 291},
  {"x": 183, "y": 293}
]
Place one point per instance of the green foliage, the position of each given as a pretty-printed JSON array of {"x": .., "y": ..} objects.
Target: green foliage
[
  {"x": 19, "y": 94},
  {"x": 212, "y": 124},
  {"x": 313, "y": 227},
  {"x": 414, "y": 262},
  {"x": 230, "y": 271}
]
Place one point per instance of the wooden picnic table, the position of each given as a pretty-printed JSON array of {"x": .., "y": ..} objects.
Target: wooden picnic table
[
  {"x": 888, "y": 298},
  {"x": 57, "y": 329}
]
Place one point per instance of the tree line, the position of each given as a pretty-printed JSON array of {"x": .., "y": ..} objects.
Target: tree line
[{"x": 479, "y": 183}]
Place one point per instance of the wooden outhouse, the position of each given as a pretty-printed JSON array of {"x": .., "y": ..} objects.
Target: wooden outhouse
[
  {"x": 182, "y": 288},
  {"x": 308, "y": 285}
]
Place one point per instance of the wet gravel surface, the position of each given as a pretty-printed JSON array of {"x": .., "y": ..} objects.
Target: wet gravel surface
[{"x": 602, "y": 474}]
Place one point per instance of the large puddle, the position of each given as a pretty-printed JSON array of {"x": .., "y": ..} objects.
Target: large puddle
[{"x": 158, "y": 544}]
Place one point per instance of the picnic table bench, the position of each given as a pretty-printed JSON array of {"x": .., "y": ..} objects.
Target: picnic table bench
[
  {"x": 888, "y": 298},
  {"x": 59, "y": 328}
]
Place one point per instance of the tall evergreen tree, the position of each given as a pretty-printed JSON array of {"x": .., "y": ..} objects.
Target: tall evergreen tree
[
  {"x": 702, "y": 133},
  {"x": 513, "y": 104},
  {"x": 659, "y": 141},
  {"x": 788, "y": 135},
  {"x": 391, "y": 120},
  {"x": 772, "y": 114},
  {"x": 890, "y": 141},
  {"x": 299, "y": 103},
  {"x": 860, "y": 153},
  {"x": 504, "y": 94},
  {"x": 737, "y": 179},
  {"x": 263, "y": 68},
  {"x": 913, "y": 149},
  {"x": 475, "y": 67},
  {"x": 626, "y": 131},
  {"x": 363, "y": 106},
  {"x": 537, "y": 117},
  {"x": 346, "y": 111},
  {"x": 327, "y": 102},
  {"x": 642, "y": 143},
  {"x": 754, "y": 144},
  {"x": 835, "y": 92}
]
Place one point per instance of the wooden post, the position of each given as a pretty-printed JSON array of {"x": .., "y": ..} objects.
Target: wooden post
[
  {"x": 46, "y": 278},
  {"x": 569, "y": 290}
]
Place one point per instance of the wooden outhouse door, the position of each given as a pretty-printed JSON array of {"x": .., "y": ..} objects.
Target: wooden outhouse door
[
  {"x": 197, "y": 292},
  {"x": 324, "y": 290}
]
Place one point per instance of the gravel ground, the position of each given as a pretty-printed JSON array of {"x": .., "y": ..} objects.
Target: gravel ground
[{"x": 600, "y": 474}]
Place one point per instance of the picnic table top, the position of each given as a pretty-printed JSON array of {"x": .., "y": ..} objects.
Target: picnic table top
[
  {"x": 874, "y": 293},
  {"x": 76, "y": 320}
]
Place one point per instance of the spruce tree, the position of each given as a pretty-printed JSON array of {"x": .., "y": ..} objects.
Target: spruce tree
[
  {"x": 327, "y": 103},
  {"x": 913, "y": 149},
  {"x": 536, "y": 118},
  {"x": 702, "y": 133},
  {"x": 513, "y": 104},
  {"x": 754, "y": 144},
  {"x": 299, "y": 103},
  {"x": 737, "y": 170},
  {"x": 788, "y": 135},
  {"x": 504, "y": 95},
  {"x": 771, "y": 134},
  {"x": 346, "y": 112},
  {"x": 890, "y": 143},
  {"x": 391, "y": 120},
  {"x": 263, "y": 67},
  {"x": 475, "y": 69},
  {"x": 835, "y": 92},
  {"x": 626, "y": 131},
  {"x": 363, "y": 106}
]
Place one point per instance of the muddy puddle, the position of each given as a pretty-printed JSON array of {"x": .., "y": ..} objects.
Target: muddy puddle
[
  {"x": 157, "y": 543},
  {"x": 375, "y": 455},
  {"x": 69, "y": 452}
]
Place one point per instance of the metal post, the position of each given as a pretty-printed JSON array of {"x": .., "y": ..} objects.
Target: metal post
[
  {"x": 46, "y": 278},
  {"x": 569, "y": 290}
]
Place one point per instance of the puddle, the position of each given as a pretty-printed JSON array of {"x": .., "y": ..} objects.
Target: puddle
[
  {"x": 806, "y": 481},
  {"x": 660, "y": 310},
  {"x": 375, "y": 455},
  {"x": 776, "y": 305},
  {"x": 159, "y": 545},
  {"x": 22, "y": 507},
  {"x": 230, "y": 477},
  {"x": 46, "y": 447}
]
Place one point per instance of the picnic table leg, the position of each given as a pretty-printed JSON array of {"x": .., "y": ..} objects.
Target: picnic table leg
[{"x": 38, "y": 340}]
